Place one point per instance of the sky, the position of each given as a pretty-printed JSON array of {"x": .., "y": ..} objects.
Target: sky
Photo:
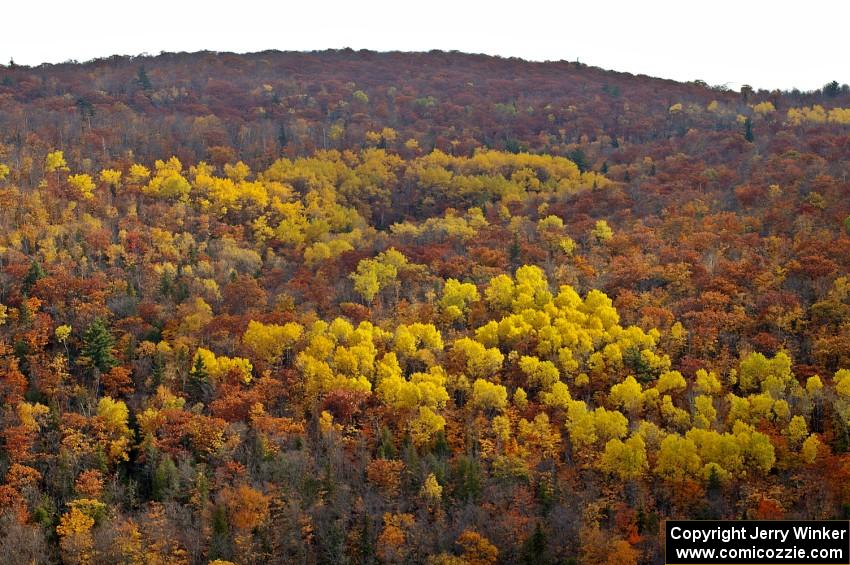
[{"x": 768, "y": 45}]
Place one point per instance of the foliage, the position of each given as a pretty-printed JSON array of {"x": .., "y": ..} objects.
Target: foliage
[{"x": 300, "y": 309}]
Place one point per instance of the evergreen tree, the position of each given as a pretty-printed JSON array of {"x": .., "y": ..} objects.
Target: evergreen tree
[
  {"x": 142, "y": 79},
  {"x": 33, "y": 275},
  {"x": 577, "y": 157},
  {"x": 387, "y": 450},
  {"x": 832, "y": 89},
  {"x": 748, "y": 130},
  {"x": 367, "y": 548},
  {"x": 158, "y": 369},
  {"x": 166, "y": 480},
  {"x": 535, "y": 546},
  {"x": 97, "y": 347},
  {"x": 198, "y": 386},
  {"x": 515, "y": 251}
]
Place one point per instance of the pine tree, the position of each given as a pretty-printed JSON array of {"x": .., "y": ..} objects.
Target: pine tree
[
  {"x": 97, "y": 347},
  {"x": 158, "y": 369},
  {"x": 387, "y": 450},
  {"x": 367, "y": 548},
  {"x": 166, "y": 480},
  {"x": 33, "y": 275},
  {"x": 198, "y": 386},
  {"x": 142, "y": 79},
  {"x": 748, "y": 130},
  {"x": 515, "y": 251},
  {"x": 535, "y": 546}
]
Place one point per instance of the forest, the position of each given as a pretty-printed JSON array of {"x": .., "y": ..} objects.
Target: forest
[{"x": 351, "y": 307}]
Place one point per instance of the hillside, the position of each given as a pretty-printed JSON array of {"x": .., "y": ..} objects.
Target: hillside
[{"x": 357, "y": 307}]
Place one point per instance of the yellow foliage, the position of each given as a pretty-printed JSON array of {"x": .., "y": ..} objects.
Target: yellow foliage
[
  {"x": 456, "y": 297},
  {"x": 707, "y": 382},
  {"x": 74, "y": 522},
  {"x": 62, "y": 333},
  {"x": 814, "y": 384},
  {"x": 114, "y": 415},
  {"x": 373, "y": 275},
  {"x": 138, "y": 173},
  {"x": 55, "y": 161},
  {"x": 168, "y": 182},
  {"x": 541, "y": 374},
  {"x": 238, "y": 172},
  {"x": 84, "y": 185},
  {"x": 270, "y": 341},
  {"x": 30, "y": 414},
  {"x": 476, "y": 549},
  {"x": 627, "y": 394},
  {"x": 219, "y": 367},
  {"x": 810, "y": 449},
  {"x": 797, "y": 431},
  {"x": 520, "y": 398},
  {"x": 424, "y": 427},
  {"x": 431, "y": 489},
  {"x": 111, "y": 177},
  {"x": 489, "y": 396},
  {"x": 677, "y": 459},
  {"x": 764, "y": 108},
  {"x": 539, "y": 437},
  {"x": 481, "y": 362},
  {"x": 671, "y": 380},
  {"x": 557, "y": 397},
  {"x": 627, "y": 460}
]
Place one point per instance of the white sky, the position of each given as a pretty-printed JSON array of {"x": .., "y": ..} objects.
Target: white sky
[{"x": 776, "y": 44}]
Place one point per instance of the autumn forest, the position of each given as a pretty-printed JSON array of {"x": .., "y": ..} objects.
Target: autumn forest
[{"x": 350, "y": 307}]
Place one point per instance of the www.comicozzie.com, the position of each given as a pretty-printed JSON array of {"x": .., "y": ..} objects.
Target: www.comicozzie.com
[{"x": 761, "y": 542}]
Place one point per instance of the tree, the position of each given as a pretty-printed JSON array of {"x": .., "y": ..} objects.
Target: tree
[
  {"x": 456, "y": 298},
  {"x": 677, "y": 459},
  {"x": 534, "y": 548},
  {"x": 488, "y": 396},
  {"x": 627, "y": 394},
  {"x": 627, "y": 460},
  {"x": 601, "y": 232},
  {"x": 270, "y": 341},
  {"x": 97, "y": 350},
  {"x": 142, "y": 79},
  {"x": 431, "y": 489},
  {"x": 34, "y": 274},
  {"x": 74, "y": 532},
  {"x": 476, "y": 549},
  {"x": 114, "y": 416},
  {"x": 55, "y": 161},
  {"x": 481, "y": 362},
  {"x": 373, "y": 275},
  {"x": 748, "y": 130},
  {"x": 832, "y": 89},
  {"x": 198, "y": 385}
]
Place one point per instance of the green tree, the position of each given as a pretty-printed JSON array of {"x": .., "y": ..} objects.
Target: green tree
[
  {"x": 97, "y": 350},
  {"x": 142, "y": 79},
  {"x": 534, "y": 548},
  {"x": 198, "y": 387},
  {"x": 33, "y": 275},
  {"x": 832, "y": 89},
  {"x": 748, "y": 130},
  {"x": 166, "y": 480}
]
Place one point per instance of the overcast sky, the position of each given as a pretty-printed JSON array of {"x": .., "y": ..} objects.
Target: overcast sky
[{"x": 769, "y": 45}]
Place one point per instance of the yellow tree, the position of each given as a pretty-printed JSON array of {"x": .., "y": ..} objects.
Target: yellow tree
[
  {"x": 489, "y": 396},
  {"x": 270, "y": 341},
  {"x": 626, "y": 460}
]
